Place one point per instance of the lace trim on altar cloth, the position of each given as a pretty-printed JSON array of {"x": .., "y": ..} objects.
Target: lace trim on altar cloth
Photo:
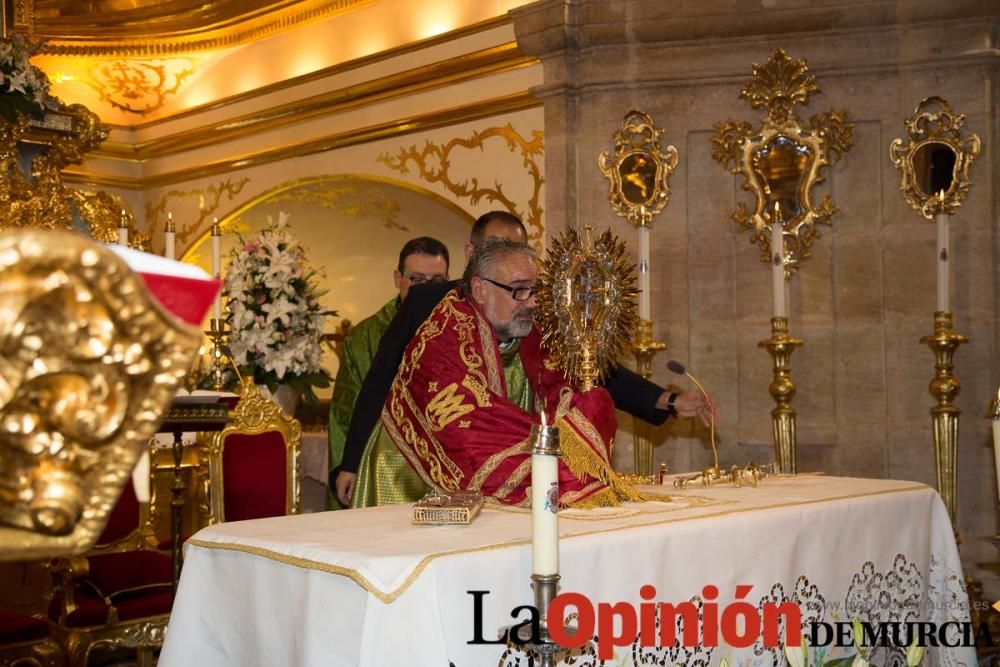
[{"x": 898, "y": 594}]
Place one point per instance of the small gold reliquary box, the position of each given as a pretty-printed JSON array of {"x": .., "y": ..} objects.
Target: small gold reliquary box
[{"x": 447, "y": 508}]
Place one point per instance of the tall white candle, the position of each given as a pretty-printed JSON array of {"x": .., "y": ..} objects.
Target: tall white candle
[
  {"x": 168, "y": 237},
  {"x": 217, "y": 264},
  {"x": 778, "y": 270},
  {"x": 644, "y": 311},
  {"x": 123, "y": 230},
  {"x": 942, "y": 261},
  {"x": 544, "y": 514}
]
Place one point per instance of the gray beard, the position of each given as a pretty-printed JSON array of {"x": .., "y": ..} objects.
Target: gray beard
[{"x": 516, "y": 328}]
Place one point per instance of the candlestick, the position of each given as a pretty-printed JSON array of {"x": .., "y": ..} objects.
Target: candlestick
[
  {"x": 217, "y": 265},
  {"x": 944, "y": 387},
  {"x": 994, "y": 415},
  {"x": 782, "y": 389},
  {"x": 942, "y": 261},
  {"x": 778, "y": 264},
  {"x": 644, "y": 272},
  {"x": 168, "y": 236},
  {"x": 545, "y": 499},
  {"x": 123, "y": 229},
  {"x": 644, "y": 348}
]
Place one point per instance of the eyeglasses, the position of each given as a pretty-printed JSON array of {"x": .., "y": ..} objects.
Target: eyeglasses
[
  {"x": 419, "y": 279},
  {"x": 517, "y": 293}
]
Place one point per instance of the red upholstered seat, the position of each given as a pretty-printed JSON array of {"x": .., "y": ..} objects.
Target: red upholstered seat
[
  {"x": 255, "y": 483},
  {"x": 15, "y": 628},
  {"x": 124, "y": 517},
  {"x": 253, "y": 463},
  {"x": 135, "y": 583}
]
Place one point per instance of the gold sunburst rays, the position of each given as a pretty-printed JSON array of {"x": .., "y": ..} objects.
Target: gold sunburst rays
[{"x": 586, "y": 304}]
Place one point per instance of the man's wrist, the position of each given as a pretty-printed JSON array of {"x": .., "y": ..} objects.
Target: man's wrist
[{"x": 671, "y": 406}]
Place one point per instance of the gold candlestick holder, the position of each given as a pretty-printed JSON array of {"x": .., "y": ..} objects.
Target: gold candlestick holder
[
  {"x": 217, "y": 333},
  {"x": 944, "y": 387},
  {"x": 782, "y": 389},
  {"x": 644, "y": 348}
]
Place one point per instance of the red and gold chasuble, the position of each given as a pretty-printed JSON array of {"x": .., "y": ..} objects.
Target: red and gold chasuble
[{"x": 449, "y": 415}]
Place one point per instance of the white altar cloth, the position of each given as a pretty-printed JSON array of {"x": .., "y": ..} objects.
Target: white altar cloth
[{"x": 365, "y": 587}]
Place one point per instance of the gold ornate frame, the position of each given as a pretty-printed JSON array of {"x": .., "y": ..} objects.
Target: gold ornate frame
[
  {"x": 639, "y": 171},
  {"x": 778, "y": 86},
  {"x": 254, "y": 415},
  {"x": 935, "y": 140},
  {"x": 91, "y": 365}
]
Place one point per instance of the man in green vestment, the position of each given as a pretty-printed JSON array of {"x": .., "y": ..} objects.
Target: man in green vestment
[{"x": 421, "y": 260}]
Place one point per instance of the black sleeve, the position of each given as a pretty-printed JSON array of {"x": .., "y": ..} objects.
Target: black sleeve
[
  {"x": 368, "y": 408},
  {"x": 635, "y": 395}
]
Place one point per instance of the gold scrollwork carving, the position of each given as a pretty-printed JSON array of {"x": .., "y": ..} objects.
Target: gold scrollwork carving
[
  {"x": 139, "y": 86},
  {"x": 346, "y": 198},
  {"x": 209, "y": 200},
  {"x": 782, "y": 161},
  {"x": 91, "y": 364},
  {"x": 434, "y": 161},
  {"x": 639, "y": 171},
  {"x": 934, "y": 164}
]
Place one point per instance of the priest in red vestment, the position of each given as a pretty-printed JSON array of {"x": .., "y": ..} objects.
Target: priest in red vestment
[{"x": 474, "y": 380}]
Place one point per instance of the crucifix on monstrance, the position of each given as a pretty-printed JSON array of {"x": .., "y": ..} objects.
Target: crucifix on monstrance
[{"x": 639, "y": 172}]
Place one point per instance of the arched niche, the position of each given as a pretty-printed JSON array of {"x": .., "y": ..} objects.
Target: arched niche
[{"x": 352, "y": 227}]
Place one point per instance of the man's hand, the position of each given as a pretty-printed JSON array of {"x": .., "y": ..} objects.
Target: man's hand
[
  {"x": 345, "y": 487},
  {"x": 690, "y": 404}
]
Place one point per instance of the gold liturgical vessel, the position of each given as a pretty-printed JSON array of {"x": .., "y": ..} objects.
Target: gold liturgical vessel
[
  {"x": 586, "y": 307},
  {"x": 782, "y": 161},
  {"x": 934, "y": 179},
  {"x": 639, "y": 174}
]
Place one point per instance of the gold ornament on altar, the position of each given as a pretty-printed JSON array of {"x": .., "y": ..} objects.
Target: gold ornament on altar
[
  {"x": 781, "y": 161},
  {"x": 934, "y": 164},
  {"x": 639, "y": 171},
  {"x": 90, "y": 363},
  {"x": 586, "y": 304}
]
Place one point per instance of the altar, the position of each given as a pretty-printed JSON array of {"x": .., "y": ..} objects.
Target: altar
[{"x": 365, "y": 587}]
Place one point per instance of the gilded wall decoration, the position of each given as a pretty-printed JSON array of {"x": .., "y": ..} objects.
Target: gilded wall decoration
[
  {"x": 934, "y": 163},
  {"x": 209, "y": 200},
  {"x": 347, "y": 199},
  {"x": 139, "y": 86},
  {"x": 781, "y": 160},
  {"x": 434, "y": 162},
  {"x": 639, "y": 171}
]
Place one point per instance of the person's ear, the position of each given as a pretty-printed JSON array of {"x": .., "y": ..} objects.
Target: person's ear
[
  {"x": 478, "y": 290},
  {"x": 397, "y": 277}
]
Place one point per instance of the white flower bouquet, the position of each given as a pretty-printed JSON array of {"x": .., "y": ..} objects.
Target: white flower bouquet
[
  {"x": 274, "y": 315},
  {"x": 23, "y": 87}
]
